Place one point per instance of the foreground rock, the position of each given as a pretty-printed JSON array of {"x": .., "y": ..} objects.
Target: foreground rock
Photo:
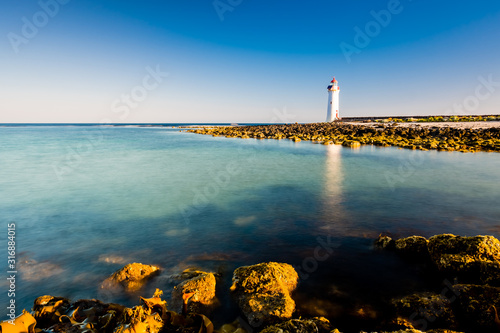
[
  {"x": 472, "y": 307},
  {"x": 414, "y": 247},
  {"x": 474, "y": 258},
  {"x": 471, "y": 259},
  {"x": 263, "y": 292},
  {"x": 196, "y": 294},
  {"x": 426, "y": 310},
  {"x": 318, "y": 325},
  {"x": 478, "y": 306},
  {"x": 132, "y": 277},
  {"x": 58, "y": 315}
]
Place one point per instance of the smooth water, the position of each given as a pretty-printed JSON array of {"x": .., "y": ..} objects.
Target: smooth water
[{"x": 88, "y": 200}]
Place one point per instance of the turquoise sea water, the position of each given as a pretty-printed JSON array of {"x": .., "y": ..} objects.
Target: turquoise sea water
[{"x": 88, "y": 200}]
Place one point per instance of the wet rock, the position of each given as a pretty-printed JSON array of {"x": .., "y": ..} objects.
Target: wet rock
[
  {"x": 47, "y": 309},
  {"x": 414, "y": 247},
  {"x": 426, "y": 310},
  {"x": 465, "y": 140},
  {"x": 93, "y": 316},
  {"x": 385, "y": 243},
  {"x": 478, "y": 306},
  {"x": 196, "y": 294},
  {"x": 318, "y": 325},
  {"x": 57, "y": 314},
  {"x": 398, "y": 323},
  {"x": 490, "y": 272},
  {"x": 131, "y": 277},
  {"x": 476, "y": 258},
  {"x": 263, "y": 292}
]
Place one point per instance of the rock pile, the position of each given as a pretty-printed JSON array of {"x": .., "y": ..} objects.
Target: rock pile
[{"x": 440, "y": 138}]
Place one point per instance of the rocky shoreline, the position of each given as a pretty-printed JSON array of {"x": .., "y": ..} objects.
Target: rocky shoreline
[
  {"x": 424, "y": 136},
  {"x": 468, "y": 268}
]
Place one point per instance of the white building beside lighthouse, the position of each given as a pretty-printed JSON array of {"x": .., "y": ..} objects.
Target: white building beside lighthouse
[{"x": 333, "y": 101}]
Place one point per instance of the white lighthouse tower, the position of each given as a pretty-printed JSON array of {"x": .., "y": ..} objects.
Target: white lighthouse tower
[{"x": 333, "y": 101}]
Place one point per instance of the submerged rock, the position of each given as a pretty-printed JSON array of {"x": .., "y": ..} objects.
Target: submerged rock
[
  {"x": 478, "y": 306},
  {"x": 131, "y": 277},
  {"x": 414, "y": 247},
  {"x": 196, "y": 294},
  {"x": 263, "y": 292},
  {"x": 426, "y": 310},
  {"x": 385, "y": 243}
]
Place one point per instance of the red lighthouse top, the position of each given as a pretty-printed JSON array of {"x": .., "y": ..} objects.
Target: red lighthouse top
[{"x": 333, "y": 86}]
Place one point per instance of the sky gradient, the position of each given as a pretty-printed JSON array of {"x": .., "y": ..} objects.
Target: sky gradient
[{"x": 245, "y": 61}]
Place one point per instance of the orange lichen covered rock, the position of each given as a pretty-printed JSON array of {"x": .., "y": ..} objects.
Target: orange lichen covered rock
[
  {"x": 196, "y": 294},
  {"x": 476, "y": 257},
  {"x": 263, "y": 291},
  {"x": 132, "y": 277}
]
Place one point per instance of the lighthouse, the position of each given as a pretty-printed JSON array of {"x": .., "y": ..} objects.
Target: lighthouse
[{"x": 333, "y": 101}]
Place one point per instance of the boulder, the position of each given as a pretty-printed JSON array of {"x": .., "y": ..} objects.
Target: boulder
[
  {"x": 263, "y": 292},
  {"x": 132, "y": 277},
  {"x": 426, "y": 310},
  {"x": 385, "y": 243},
  {"x": 477, "y": 258},
  {"x": 478, "y": 306},
  {"x": 318, "y": 325},
  {"x": 489, "y": 272},
  {"x": 196, "y": 294},
  {"x": 413, "y": 246}
]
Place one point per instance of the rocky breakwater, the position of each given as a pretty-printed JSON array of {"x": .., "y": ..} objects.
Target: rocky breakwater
[
  {"x": 469, "y": 271},
  {"x": 423, "y": 138}
]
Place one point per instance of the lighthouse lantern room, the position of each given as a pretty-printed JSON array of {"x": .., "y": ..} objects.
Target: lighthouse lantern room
[{"x": 333, "y": 101}]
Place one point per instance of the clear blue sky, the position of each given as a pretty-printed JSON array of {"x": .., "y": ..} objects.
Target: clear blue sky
[{"x": 245, "y": 60}]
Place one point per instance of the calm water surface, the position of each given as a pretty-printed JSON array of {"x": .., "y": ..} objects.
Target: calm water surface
[{"x": 86, "y": 201}]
